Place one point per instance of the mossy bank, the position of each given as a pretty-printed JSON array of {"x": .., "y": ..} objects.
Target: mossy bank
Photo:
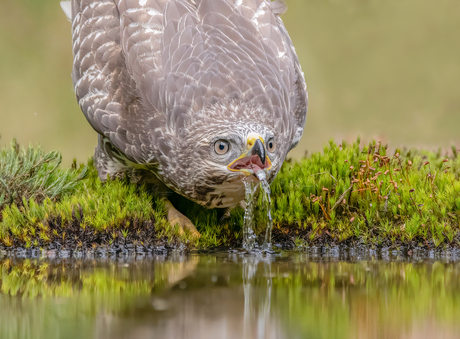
[{"x": 350, "y": 194}]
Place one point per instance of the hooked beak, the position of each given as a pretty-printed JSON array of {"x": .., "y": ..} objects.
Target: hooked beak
[{"x": 254, "y": 160}]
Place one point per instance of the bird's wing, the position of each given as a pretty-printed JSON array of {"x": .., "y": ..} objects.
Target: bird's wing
[
  {"x": 142, "y": 27},
  {"x": 105, "y": 90},
  {"x": 184, "y": 53},
  {"x": 141, "y": 66},
  {"x": 299, "y": 94},
  {"x": 282, "y": 57}
]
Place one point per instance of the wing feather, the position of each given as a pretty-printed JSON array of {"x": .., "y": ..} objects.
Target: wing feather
[
  {"x": 299, "y": 87},
  {"x": 104, "y": 88},
  {"x": 67, "y": 9}
]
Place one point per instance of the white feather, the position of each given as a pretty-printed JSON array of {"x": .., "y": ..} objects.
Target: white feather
[
  {"x": 67, "y": 8},
  {"x": 278, "y": 7}
]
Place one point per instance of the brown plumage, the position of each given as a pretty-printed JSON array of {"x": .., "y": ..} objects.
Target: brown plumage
[{"x": 171, "y": 84}]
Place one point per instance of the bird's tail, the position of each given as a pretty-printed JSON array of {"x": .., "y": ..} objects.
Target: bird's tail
[{"x": 67, "y": 8}]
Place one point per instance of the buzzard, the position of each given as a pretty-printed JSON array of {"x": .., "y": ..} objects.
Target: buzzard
[{"x": 192, "y": 95}]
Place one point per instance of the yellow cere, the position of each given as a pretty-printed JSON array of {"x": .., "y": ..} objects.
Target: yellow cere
[{"x": 252, "y": 137}]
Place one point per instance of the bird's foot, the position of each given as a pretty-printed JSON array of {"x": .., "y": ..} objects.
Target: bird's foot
[
  {"x": 226, "y": 214},
  {"x": 177, "y": 218}
]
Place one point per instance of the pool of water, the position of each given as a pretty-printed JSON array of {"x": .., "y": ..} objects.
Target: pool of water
[{"x": 229, "y": 295}]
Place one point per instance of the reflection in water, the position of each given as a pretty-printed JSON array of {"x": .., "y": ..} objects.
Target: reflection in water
[
  {"x": 228, "y": 296},
  {"x": 209, "y": 303},
  {"x": 256, "y": 316}
]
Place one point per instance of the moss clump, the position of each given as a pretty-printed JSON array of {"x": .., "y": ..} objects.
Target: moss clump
[
  {"x": 93, "y": 213},
  {"x": 42, "y": 204},
  {"x": 347, "y": 193},
  {"x": 33, "y": 174}
]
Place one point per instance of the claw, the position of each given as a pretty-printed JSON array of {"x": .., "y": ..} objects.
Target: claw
[
  {"x": 226, "y": 214},
  {"x": 177, "y": 218}
]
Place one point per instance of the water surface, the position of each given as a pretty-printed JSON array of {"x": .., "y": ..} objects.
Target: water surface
[{"x": 229, "y": 295}]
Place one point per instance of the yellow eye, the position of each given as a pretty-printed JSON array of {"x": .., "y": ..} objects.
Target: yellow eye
[
  {"x": 221, "y": 147},
  {"x": 271, "y": 146}
]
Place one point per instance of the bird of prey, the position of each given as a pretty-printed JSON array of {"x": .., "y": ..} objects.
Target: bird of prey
[{"x": 193, "y": 95}]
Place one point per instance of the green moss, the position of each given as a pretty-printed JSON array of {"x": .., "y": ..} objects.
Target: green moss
[
  {"x": 345, "y": 193},
  {"x": 365, "y": 193}
]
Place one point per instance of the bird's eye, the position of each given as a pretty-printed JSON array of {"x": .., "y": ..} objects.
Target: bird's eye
[
  {"x": 221, "y": 147},
  {"x": 271, "y": 146}
]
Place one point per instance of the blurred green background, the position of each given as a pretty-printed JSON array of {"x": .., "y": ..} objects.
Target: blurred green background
[{"x": 385, "y": 69}]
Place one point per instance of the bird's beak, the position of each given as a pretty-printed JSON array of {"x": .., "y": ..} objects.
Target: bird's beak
[{"x": 254, "y": 160}]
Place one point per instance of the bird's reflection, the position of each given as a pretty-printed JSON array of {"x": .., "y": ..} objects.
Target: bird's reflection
[
  {"x": 256, "y": 303},
  {"x": 228, "y": 296}
]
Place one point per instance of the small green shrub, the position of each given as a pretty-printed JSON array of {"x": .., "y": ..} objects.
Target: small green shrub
[{"x": 33, "y": 174}]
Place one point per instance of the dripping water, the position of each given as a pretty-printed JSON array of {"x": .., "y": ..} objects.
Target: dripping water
[
  {"x": 268, "y": 202},
  {"x": 249, "y": 235}
]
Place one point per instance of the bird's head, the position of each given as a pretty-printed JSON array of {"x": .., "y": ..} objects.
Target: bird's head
[
  {"x": 251, "y": 153},
  {"x": 215, "y": 152}
]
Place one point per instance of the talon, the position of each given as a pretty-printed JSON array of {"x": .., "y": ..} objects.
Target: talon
[
  {"x": 177, "y": 218},
  {"x": 226, "y": 214}
]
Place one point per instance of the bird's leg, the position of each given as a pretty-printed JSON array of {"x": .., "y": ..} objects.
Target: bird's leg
[
  {"x": 159, "y": 189},
  {"x": 177, "y": 218}
]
